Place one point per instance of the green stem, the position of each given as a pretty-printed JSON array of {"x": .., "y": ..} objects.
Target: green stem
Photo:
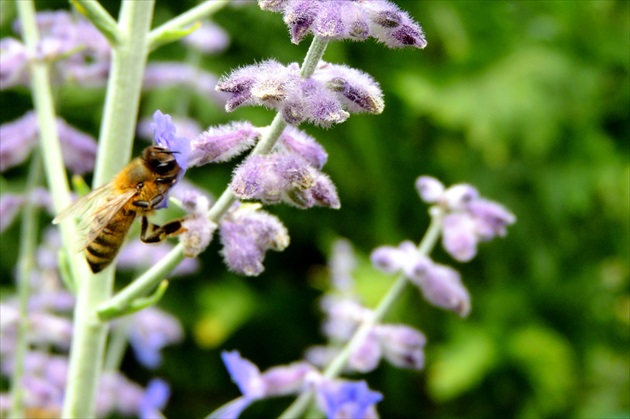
[
  {"x": 299, "y": 406},
  {"x": 119, "y": 304},
  {"x": 96, "y": 14},
  {"x": 161, "y": 34},
  {"x": 116, "y": 136},
  {"x": 26, "y": 262}
]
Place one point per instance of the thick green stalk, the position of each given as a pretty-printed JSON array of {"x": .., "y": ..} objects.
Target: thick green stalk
[
  {"x": 116, "y": 137},
  {"x": 26, "y": 262},
  {"x": 299, "y": 406}
]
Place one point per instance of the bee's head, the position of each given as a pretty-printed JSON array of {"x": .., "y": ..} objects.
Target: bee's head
[{"x": 161, "y": 161}]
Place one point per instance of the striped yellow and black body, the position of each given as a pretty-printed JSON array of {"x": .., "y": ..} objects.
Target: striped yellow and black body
[{"x": 107, "y": 213}]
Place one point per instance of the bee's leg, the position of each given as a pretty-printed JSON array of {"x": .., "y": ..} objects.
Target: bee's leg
[
  {"x": 153, "y": 233},
  {"x": 149, "y": 204}
]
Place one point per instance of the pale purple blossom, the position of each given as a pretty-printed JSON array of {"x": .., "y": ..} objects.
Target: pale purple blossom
[
  {"x": 169, "y": 74},
  {"x": 13, "y": 63},
  {"x": 283, "y": 177},
  {"x": 254, "y": 385},
  {"x": 353, "y": 20},
  {"x": 467, "y": 217},
  {"x": 10, "y": 205},
  {"x": 154, "y": 399},
  {"x": 246, "y": 234},
  {"x": 150, "y": 330},
  {"x": 222, "y": 143},
  {"x": 164, "y": 133},
  {"x": 19, "y": 137},
  {"x": 207, "y": 38},
  {"x": 324, "y": 99},
  {"x": 198, "y": 234},
  {"x": 185, "y": 127},
  {"x": 296, "y": 141},
  {"x": 347, "y": 399},
  {"x": 137, "y": 255},
  {"x": 402, "y": 346}
]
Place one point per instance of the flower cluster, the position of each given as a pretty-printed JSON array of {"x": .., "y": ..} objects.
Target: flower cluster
[
  {"x": 323, "y": 99},
  {"x": 45, "y": 374},
  {"x": 468, "y": 218},
  {"x": 19, "y": 137},
  {"x": 336, "y": 398},
  {"x": 346, "y": 19}
]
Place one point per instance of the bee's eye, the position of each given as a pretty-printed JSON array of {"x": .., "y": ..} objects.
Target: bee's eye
[{"x": 165, "y": 167}]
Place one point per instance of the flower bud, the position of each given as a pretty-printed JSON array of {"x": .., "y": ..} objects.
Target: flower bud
[
  {"x": 430, "y": 189},
  {"x": 222, "y": 143},
  {"x": 402, "y": 345}
]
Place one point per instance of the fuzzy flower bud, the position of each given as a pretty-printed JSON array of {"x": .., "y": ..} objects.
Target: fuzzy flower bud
[
  {"x": 442, "y": 287},
  {"x": 198, "y": 234},
  {"x": 247, "y": 233},
  {"x": 324, "y": 99},
  {"x": 354, "y": 20},
  {"x": 296, "y": 141},
  {"x": 402, "y": 345},
  {"x": 222, "y": 143}
]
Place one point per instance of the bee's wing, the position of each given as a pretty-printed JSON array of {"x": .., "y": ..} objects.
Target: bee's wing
[{"x": 95, "y": 211}]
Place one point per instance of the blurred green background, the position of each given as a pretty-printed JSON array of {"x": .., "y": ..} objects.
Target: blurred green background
[{"x": 527, "y": 100}]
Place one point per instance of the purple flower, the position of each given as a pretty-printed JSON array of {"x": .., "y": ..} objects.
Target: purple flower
[
  {"x": 279, "y": 177},
  {"x": 297, "y": 141},
  {"x": 222, "y": 143},
  {"x": 357, "y": 91},
  {"x": 367, "y": 355},
  {"x": 17, "y": 139},
  {"x": 208, "y": 38},
  {"x": 468, "y": 218},
  {"x": 323, "y": 99},
  {"x": 347, "y": 399},
  {"x": 442, "y": 287},
  {"x": 186, "y": 127},
  {"x": 164, "y": 132},
  {"x": 246, "y": 234},
  {"x": 167, "y": 74},
  {"x": 341, "y": 264},
  {"x": 154, "y": 399},
  {"x": 277, "y": 381},
  {"x": 10, "y": 205},
  {"x": 13, "y": 63},
  {"x": 354, "y": 20},
  {"x": 136, "y": 255},
  {"x": 198, "y": 234},
  {"x": 402, "y": 345},
  {"x": 149, "y": 332}
]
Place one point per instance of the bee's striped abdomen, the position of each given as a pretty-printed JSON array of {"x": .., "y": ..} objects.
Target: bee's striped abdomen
[{"x": 101, "y": 251}]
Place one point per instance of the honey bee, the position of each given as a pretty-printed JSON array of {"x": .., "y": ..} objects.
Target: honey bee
[{"x": 106, "y": 213}]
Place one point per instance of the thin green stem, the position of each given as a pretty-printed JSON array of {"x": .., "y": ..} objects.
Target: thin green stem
[
  {"x": 26, "y": 262},
  {"x": 116, "y": 137},
  {"x": 299, "y": 406},
  {"x": 96, "y": 14},
  {"x": 163, "y": 33}
]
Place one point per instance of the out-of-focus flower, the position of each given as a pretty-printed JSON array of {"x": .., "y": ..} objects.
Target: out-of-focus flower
[
  {"x": 154, "y": 399},
  {"x": 222, "y": 143},
  {"x": 323, "y": 99},
  {"x": 440, "y": 285},
  {"x": 208, "y": 38},
  {"x": 246, "y": 234},
  {"x": 341, "y": 264},
  {"x": 468, "y": 218},
  {"x": 138, "y": 255},
  {"x": 13, "y": 63},
  {"x": 150, "y": 330},
  {"x": 347, "y": 399},
  {"x": 353, "y": 20},
  {"x": 402, "y": 345},
  {"x": 254, "y": 385},
  {"x": 168, "y": 74},
  {"x": 10, "y": 205},
  {"x": 77, "y": 51},
  {"x": 19, "y": 137}
]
